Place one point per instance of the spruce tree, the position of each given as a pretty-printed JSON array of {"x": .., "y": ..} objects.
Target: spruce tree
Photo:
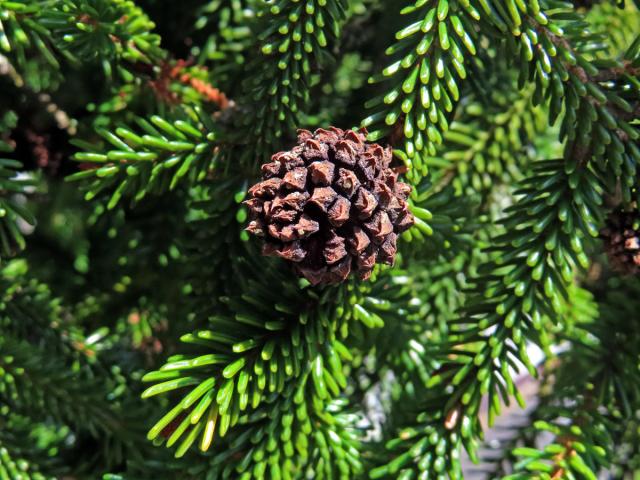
[{"x": 332, "y": 239}]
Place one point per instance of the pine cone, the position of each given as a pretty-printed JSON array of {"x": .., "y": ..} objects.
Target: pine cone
[
  {"x": 330, "y": 205},
  {"x": 622, "y": 241}
]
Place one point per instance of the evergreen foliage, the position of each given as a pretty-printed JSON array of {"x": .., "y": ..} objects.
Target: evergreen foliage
[{"x": 143, "y": 335}]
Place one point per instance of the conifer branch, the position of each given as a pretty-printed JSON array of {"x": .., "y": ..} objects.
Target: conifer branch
[
  {"x": 154, "y": 161},
  {"x": 490, "y": 141},
  {"x": 115, "y": 31},
  {"x": 546, "y": 232},
  {"x": 12, "y": 467},
  {"x": 12, "y": 184},
  {"x": 316, "y": 439},
  {"x": 293, "y": 41},
  {"x": 273, "y": 351},
  {"x": 587, "y": 418},
  {"x": 32, "y": 382},
  {"x": 430, "y": 61}
]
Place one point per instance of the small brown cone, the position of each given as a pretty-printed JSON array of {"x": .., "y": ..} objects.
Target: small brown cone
[
  {"x": 621, "y": 237},
  {"x": 331, "y": 206}
]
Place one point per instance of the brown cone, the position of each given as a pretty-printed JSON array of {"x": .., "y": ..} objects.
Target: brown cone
[
  {"x": 331, "y": 205},
  {"x": 622, "y": 241}
]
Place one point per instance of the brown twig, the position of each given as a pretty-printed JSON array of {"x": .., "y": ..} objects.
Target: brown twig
[
  {"x": 169, "y": 73},
  {"x": 211, "y": 93}
]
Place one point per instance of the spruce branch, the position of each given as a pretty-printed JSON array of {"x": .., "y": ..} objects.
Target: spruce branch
[
  {"x": 112, "y": 31},
  {"x": 166, "y": 89},
  {"x": 196, "y": 79},
  {"x": 244, "y": 368},
  {"x": 118, "y": 35},
  {"x": 21, "y": 31},
  {"x": 116, "y": 32},
  {"x": 267, "y": 355},
  {"x": 12, "y": 186},
  {"x": 429, "y": 62},
  {"x": 441, "y": 220},
  {"x": 490, "y": 141},
  {"x": 151, "y": 162},
  {"x": 293, "y": 43},
  {"x": 33, "y": 382},
  {"x": 516, "y": 429},
  {"x": 564, "y": 69},
  {"x": 229, "y": 38},
  {"x": 518, "y": 289},
  {"x": 316, "y": 439},
  {"x": 12, "y": 467},
  {"x": 587, "y": 418},
  {"x": 46, "y": 360},
  {"x": 215, "y": 235},
  {"x": 536, "y": 258}
]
